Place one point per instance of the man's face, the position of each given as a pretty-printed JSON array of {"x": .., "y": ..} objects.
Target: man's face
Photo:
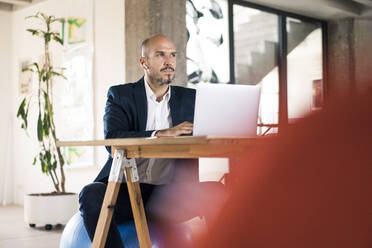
[{"x": 159, "y": 61}]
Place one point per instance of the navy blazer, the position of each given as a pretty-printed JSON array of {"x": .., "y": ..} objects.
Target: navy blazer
[{"x": 126, "y": 114}]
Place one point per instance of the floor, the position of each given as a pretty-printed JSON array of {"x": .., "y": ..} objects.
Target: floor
[{"x": 14, "y": 233}]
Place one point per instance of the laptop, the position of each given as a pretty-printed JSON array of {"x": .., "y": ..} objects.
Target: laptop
[{"x": 226, "y": 110}]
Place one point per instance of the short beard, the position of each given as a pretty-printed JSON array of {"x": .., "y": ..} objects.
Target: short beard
[{"x": 162, "y": 81}]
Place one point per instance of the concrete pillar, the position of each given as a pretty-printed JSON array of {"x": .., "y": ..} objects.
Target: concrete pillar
[
  {"x": 144, "y": 18},
  {"x": 349, "y": 56},
  {"x": 363, "y": 54},
  {"x": 341, "y": 64}
]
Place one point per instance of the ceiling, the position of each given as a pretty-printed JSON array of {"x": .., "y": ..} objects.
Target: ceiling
[
  {"x": 321, "y": 9},
  {"x": 11, "y": 5}
]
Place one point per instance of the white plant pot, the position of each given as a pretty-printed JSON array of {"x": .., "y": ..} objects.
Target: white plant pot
[{"x": 45, "y": 209}]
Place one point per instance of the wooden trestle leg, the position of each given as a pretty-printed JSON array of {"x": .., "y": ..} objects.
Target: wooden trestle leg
[{"x": 120, "y": 166}]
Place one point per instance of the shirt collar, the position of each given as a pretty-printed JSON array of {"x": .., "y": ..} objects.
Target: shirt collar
[{"x": 150, "y": 94}]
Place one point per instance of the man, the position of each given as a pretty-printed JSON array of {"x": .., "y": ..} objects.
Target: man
[{"x": 151, "y": 107}]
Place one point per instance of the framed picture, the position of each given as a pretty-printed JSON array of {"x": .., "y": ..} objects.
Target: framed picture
[
  {"x": 317, "y": 94},
  {"x": 25, "y": 78}
]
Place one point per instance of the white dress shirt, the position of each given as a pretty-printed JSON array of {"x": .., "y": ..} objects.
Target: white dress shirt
[{"x": 156, "y": 171}]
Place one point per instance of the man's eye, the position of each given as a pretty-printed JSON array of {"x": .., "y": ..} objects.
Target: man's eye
[{"x": 173, "y": 55}]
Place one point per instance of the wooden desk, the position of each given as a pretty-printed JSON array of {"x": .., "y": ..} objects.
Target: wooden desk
[{"x": 175, "y": 147}]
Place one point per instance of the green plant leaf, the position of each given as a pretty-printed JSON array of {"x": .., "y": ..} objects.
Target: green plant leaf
[
  {"x": 48, "y": 160},
  {"x": 23, "y": 112},
  {"x": 46, "y": 103},
  {"x": 48, "y": 156},
  {"x": 26, "y": 114},
  {"x": 61, "y": 20},
  {"x": 54, "y": 165},
  {"x": 45, "y": 17},
  {"x": 46, "y": 125},
  {"x": 33, "y": 31},
  {"x": 62, "y": 161},
  {"x": 35, "y": 160},
  {"x": 58, "y": 39},
  {"x": 27, "y": 69},
  {"x": 33, "y": 16},
  {"x": 42, "y": 75},
  {"x": 43, "y": 166},
  {"x": 58, "y": 74},
  {"x": 21, "y": 108},
  {"x": 47, "y": 37},
  {"x": 39, "y": 128}
]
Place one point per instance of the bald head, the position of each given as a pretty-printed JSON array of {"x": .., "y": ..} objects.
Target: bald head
[
  {"x": 156, "y": 39},
  {"x": 158, "y": 60}
]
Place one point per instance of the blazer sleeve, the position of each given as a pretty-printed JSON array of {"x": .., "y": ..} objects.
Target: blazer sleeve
[{"x": 119, "y": 117}]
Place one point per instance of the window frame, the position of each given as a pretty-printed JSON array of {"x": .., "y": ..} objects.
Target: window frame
[{"x": 282, "y": 51}]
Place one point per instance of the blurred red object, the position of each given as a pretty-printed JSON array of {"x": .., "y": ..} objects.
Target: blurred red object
[{"x": 312, "y": 187}]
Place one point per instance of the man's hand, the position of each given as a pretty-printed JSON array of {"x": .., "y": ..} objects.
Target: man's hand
[{"x": 183, "y": 128}]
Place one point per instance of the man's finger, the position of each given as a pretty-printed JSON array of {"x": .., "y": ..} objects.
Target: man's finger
[
  {"x": 183, "y": 131},
  {"x": 183, "y": 127},
  {"x": 186, "y": 128},
  {"x": 186, "y": 123}
]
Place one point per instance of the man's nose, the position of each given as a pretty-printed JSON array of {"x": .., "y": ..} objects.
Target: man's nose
[{"x": 169, "y": 60}]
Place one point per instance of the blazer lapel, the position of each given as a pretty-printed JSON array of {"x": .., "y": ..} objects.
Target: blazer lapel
[
  {"x": 141, "y": 104},
  {"x": 175, "y": 106}
]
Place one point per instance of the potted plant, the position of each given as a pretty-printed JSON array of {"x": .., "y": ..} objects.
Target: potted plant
[{"x": 56, "y": 207}]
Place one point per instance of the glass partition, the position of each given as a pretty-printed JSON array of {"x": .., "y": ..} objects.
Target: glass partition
[
  {"x": 304, "y": 68},
  {"x": 256, "y": 59}
]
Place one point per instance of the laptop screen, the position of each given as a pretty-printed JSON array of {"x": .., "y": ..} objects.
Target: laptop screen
[{"x": 226, "y": 110}]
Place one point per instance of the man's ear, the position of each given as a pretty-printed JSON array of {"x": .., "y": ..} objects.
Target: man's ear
[{"x": 143, "y": 63}]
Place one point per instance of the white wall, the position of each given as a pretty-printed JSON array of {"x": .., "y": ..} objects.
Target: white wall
[
  {"x": 5, "y": 111},
  {"x": 108, "y": 69}
]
